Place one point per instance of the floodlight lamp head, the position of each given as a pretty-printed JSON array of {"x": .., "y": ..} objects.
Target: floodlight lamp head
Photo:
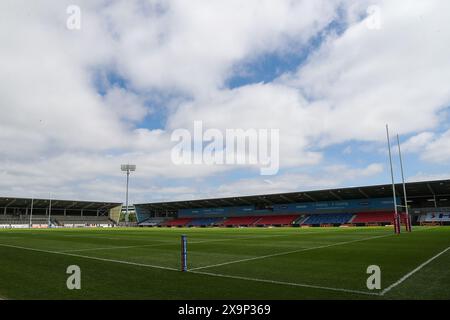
[{"x": 128, "y": 167}]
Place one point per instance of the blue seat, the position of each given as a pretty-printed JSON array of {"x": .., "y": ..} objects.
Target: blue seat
[
  {"x": 331, "y": 218},
  {"x": 204, "y": 222}
]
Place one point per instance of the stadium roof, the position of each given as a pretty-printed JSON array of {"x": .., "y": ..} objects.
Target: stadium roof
[
  {"x": 413, "y": 190},
  {"x": 57, "y": 204}
]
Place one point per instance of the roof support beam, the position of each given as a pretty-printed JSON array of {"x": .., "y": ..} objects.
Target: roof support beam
[
  {"x": 265, "y": 200},
  {"x": 208, "y": 203},
  {"x": 176, "y": 204},
  {"x": 363, "y": 193},
  {"x": 106, "y": 207},
  {"x": 35, "y": 203},
  {"x": 285, "y": 198},
  {"x": 245, "y": 201},
  {"x": 431, "y": 189},
  {"x": 54, "y": 203},
  {"x": 335, "y": 195},
  {"x": 310, "y": 197},
  {"x": 227, "y": 202},
  {"x": 72, "y": 205},
  {"x": 88, "y": 206},
  {"x": 10, "y": 203}
]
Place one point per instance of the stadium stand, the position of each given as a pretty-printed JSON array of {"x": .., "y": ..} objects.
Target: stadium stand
[
  {"x": 240, "y": 221},
  {"x": 435, "y": 218},
  {"x": 152, "y": 222},
  {"x": 282, "y": 220},
  {"x": 300, "y": 219},
  {"x": 376, "y": 218},
  {"x": 205, "y": 222},
  {"x": 177, "y": 222},
  {"x": 323, "y": 219},
  {"x": 22, "y": 219},
  {"x": 373, "y": 217},
  {"x": 19, "y": 212},
  {"x": 362, "y": 218},
  {"x": 78, "y": 220}
]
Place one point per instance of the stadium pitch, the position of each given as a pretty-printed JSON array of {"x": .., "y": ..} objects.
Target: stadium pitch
[{"x": 226, "y": 263}]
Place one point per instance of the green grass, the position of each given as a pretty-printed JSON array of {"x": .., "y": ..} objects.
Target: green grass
[{"x": 253, "y": 263}]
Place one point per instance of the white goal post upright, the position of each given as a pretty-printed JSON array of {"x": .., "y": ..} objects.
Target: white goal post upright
[
  {"x": 396, "y": 216},
  {"x": 407, "y": 217},
  {"x": 183, "y": 253}
]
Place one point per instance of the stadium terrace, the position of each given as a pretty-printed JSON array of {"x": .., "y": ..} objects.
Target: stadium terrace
[
  {"x": 42, "y": 213},
  {"x": 428, "y": 203}
]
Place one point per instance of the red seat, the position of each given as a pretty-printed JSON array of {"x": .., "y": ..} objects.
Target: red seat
[
  {"x": 240, "y": 221},
  {"x": 376, "y": 217},
  {"x": 177, "y": 222}
]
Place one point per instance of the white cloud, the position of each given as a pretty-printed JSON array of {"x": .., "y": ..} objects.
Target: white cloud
[
  {"x": 191, "y": 46},
  {"x": 260, "y": 106},
  {"x": 418, "y": 142},
  {"x": 421, "y": 176},
  {"x": 395, "y": 75},
  {"x": 53, "y": 119},
  {"x": 431, "y": 147},
  {"x": 438, "y": 150},
  {"x": 126, "y": 104},
  {"x": 329, "y": 177}
]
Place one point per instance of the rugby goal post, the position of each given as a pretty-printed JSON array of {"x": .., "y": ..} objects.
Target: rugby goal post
[
  {"x": 183, "y": 253},
  {"x": 397, "y": 218}
]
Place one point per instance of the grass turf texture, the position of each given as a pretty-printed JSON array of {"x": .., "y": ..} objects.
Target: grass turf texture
[{"x": 251, "y": 263}]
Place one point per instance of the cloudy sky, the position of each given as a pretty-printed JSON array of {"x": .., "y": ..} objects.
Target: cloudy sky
[{"x": 329, "y": 74}]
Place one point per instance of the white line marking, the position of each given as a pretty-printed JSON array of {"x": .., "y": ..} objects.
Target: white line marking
[
  {"x": 406, "y": 276},
  {"x": 160, "y": 244},
  {"x": 285, "y": 283},
  {"x": 252, "y": 279},
  {"x": 93, "y": 258},
  {"x": 300, "y": 250},
  {"x": 119, "y": 237},
  {"x": 270, "y": 236},
  {"x": 195, "y": 272},
  {"x": 288, "y": 252},
  {"x": 167, "y": 242},
  {"x": 116, "y": 248}
]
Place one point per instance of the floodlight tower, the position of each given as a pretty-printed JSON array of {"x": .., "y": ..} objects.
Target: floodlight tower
[
  {"x": 50, "y": 211},
  {"x": 127, "y": 168},
  {"x": 31, "y": 212}
]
